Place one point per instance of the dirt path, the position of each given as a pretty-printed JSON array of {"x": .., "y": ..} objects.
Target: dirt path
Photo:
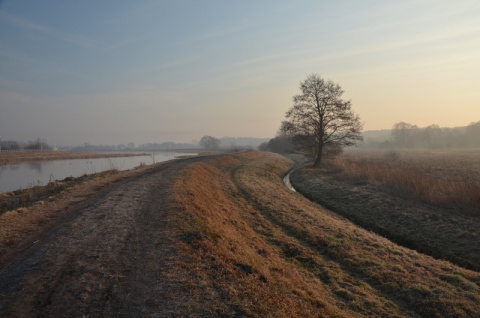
[{"x": 108, "y": 257}]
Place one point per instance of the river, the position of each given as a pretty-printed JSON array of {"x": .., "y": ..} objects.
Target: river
[{"x": 28, "y": 174}]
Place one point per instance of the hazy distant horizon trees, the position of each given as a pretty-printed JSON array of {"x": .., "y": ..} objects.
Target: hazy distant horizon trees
[
  {"x": 280, "y": 144},
  {"x": 320, "y": 121},
  {"x": 403, "y": 132},
  {"x": 209, "y": 142},
  {"x": 406, "y": 135},
  {"x": 473, "y": 134},
  {"x": 38, "y": 144},
  {"x": 10, "y": 145}
]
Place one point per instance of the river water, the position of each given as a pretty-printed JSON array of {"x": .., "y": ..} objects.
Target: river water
[{"x": 28, "y": 174}]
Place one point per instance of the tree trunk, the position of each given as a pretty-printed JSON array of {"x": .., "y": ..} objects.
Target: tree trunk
[{"x": 318, "y": 159}]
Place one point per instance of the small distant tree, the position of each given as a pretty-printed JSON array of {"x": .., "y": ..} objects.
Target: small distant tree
[
  {"x": 209, "y": 142},
  {"x": 320, "y": 121},
  {"x": 403, "y": 134},
  {"x": 263, "y": 146},
  {"x": 280, "y": 144},
  {"x": 473, "y": 134}
]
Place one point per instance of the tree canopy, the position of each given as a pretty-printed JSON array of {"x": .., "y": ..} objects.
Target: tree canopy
[
  {"x": 320, "y": 121},
  {"x": 209, "y": 142}
]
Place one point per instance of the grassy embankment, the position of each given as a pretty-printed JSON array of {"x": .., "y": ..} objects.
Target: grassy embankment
[
  {"x": 252, "y": 247},
  {"x": 426, "y": 201}
]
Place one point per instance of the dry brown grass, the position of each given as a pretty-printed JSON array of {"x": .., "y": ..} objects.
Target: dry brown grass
[
  {"x": 449, "y": 180},
  {"x": 17, "y": 157},
  {"x": 261, "y": 250},
  {"x": 393, "y": 198}
]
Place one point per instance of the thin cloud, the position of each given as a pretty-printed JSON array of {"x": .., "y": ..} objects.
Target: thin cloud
[
  {"x": 426, "y": 38},
  {"x": 224, "y": 32},
  {"x": 29, "y": 25}
]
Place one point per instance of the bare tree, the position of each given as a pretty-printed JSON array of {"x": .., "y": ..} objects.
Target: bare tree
[
  {"x": 320, "y": 121},
  {"x": 209, "y": 142},
  {"x": 403, "y": 134}
]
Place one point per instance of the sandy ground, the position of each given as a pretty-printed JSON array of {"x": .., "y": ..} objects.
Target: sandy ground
[{"x": 107, "y": 255}]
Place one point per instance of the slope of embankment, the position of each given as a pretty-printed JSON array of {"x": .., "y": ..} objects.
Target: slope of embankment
[{"x": 258, "y": 249}]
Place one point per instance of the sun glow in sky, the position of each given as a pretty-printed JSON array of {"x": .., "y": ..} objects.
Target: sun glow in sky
[{"x": 152, "y": 71}]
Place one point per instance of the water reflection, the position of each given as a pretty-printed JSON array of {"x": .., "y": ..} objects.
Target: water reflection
[
  {"x": 23, "y": 175},
  {"x": 36, "y": 166}
]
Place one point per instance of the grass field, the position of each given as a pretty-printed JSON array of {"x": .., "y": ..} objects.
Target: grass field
[
  {"x": 429, "y": 201},
  {"x": 258, "y": 249}
]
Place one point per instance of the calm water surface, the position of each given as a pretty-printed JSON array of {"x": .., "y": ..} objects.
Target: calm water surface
[{"x": 28, "y": 174}]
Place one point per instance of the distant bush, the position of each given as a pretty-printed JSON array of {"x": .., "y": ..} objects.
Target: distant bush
[{"x": 279, "y": 144}]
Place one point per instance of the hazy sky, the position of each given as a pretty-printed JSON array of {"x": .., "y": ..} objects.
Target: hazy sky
[{"x": 150, "y": 71}]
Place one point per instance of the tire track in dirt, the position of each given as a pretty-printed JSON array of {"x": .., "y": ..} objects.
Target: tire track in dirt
[{"x": 107, "y": 258}]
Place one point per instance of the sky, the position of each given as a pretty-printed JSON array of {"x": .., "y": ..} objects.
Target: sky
[{"x": 115, "y": 71}]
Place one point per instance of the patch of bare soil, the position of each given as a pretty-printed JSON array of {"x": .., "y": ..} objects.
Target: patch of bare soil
[{"x": 107, "y": 255}]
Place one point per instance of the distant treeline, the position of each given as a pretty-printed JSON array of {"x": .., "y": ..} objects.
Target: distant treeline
[
  {"x": 406, "y": 135},
  {"x": 227, "y": 142},
  {"x": 131, "y": 147},
  {"x": 241, "y": 142},
  {"x": 402, "y": 135},
  {"x": 38, "y": 144}
]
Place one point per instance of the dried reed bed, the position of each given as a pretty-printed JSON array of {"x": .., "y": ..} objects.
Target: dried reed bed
[
  {"x": 353, "y": 186},
  {"x": 16, "y": 157},
  {"x": 261, "y": 250},
  {"x": 450, "y": 180}
]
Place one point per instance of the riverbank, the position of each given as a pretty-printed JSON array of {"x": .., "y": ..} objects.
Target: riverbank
[
  {"x": 217, "y": 236},
  {"x": 16, "y": 157},
  {"x": 26, "y": 213}
]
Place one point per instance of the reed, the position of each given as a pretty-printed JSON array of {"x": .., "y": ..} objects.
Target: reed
[{"x": 441, "y": 186}]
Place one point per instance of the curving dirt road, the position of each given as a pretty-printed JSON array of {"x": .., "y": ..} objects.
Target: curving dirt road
[{"x": 109, "y": 256}]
